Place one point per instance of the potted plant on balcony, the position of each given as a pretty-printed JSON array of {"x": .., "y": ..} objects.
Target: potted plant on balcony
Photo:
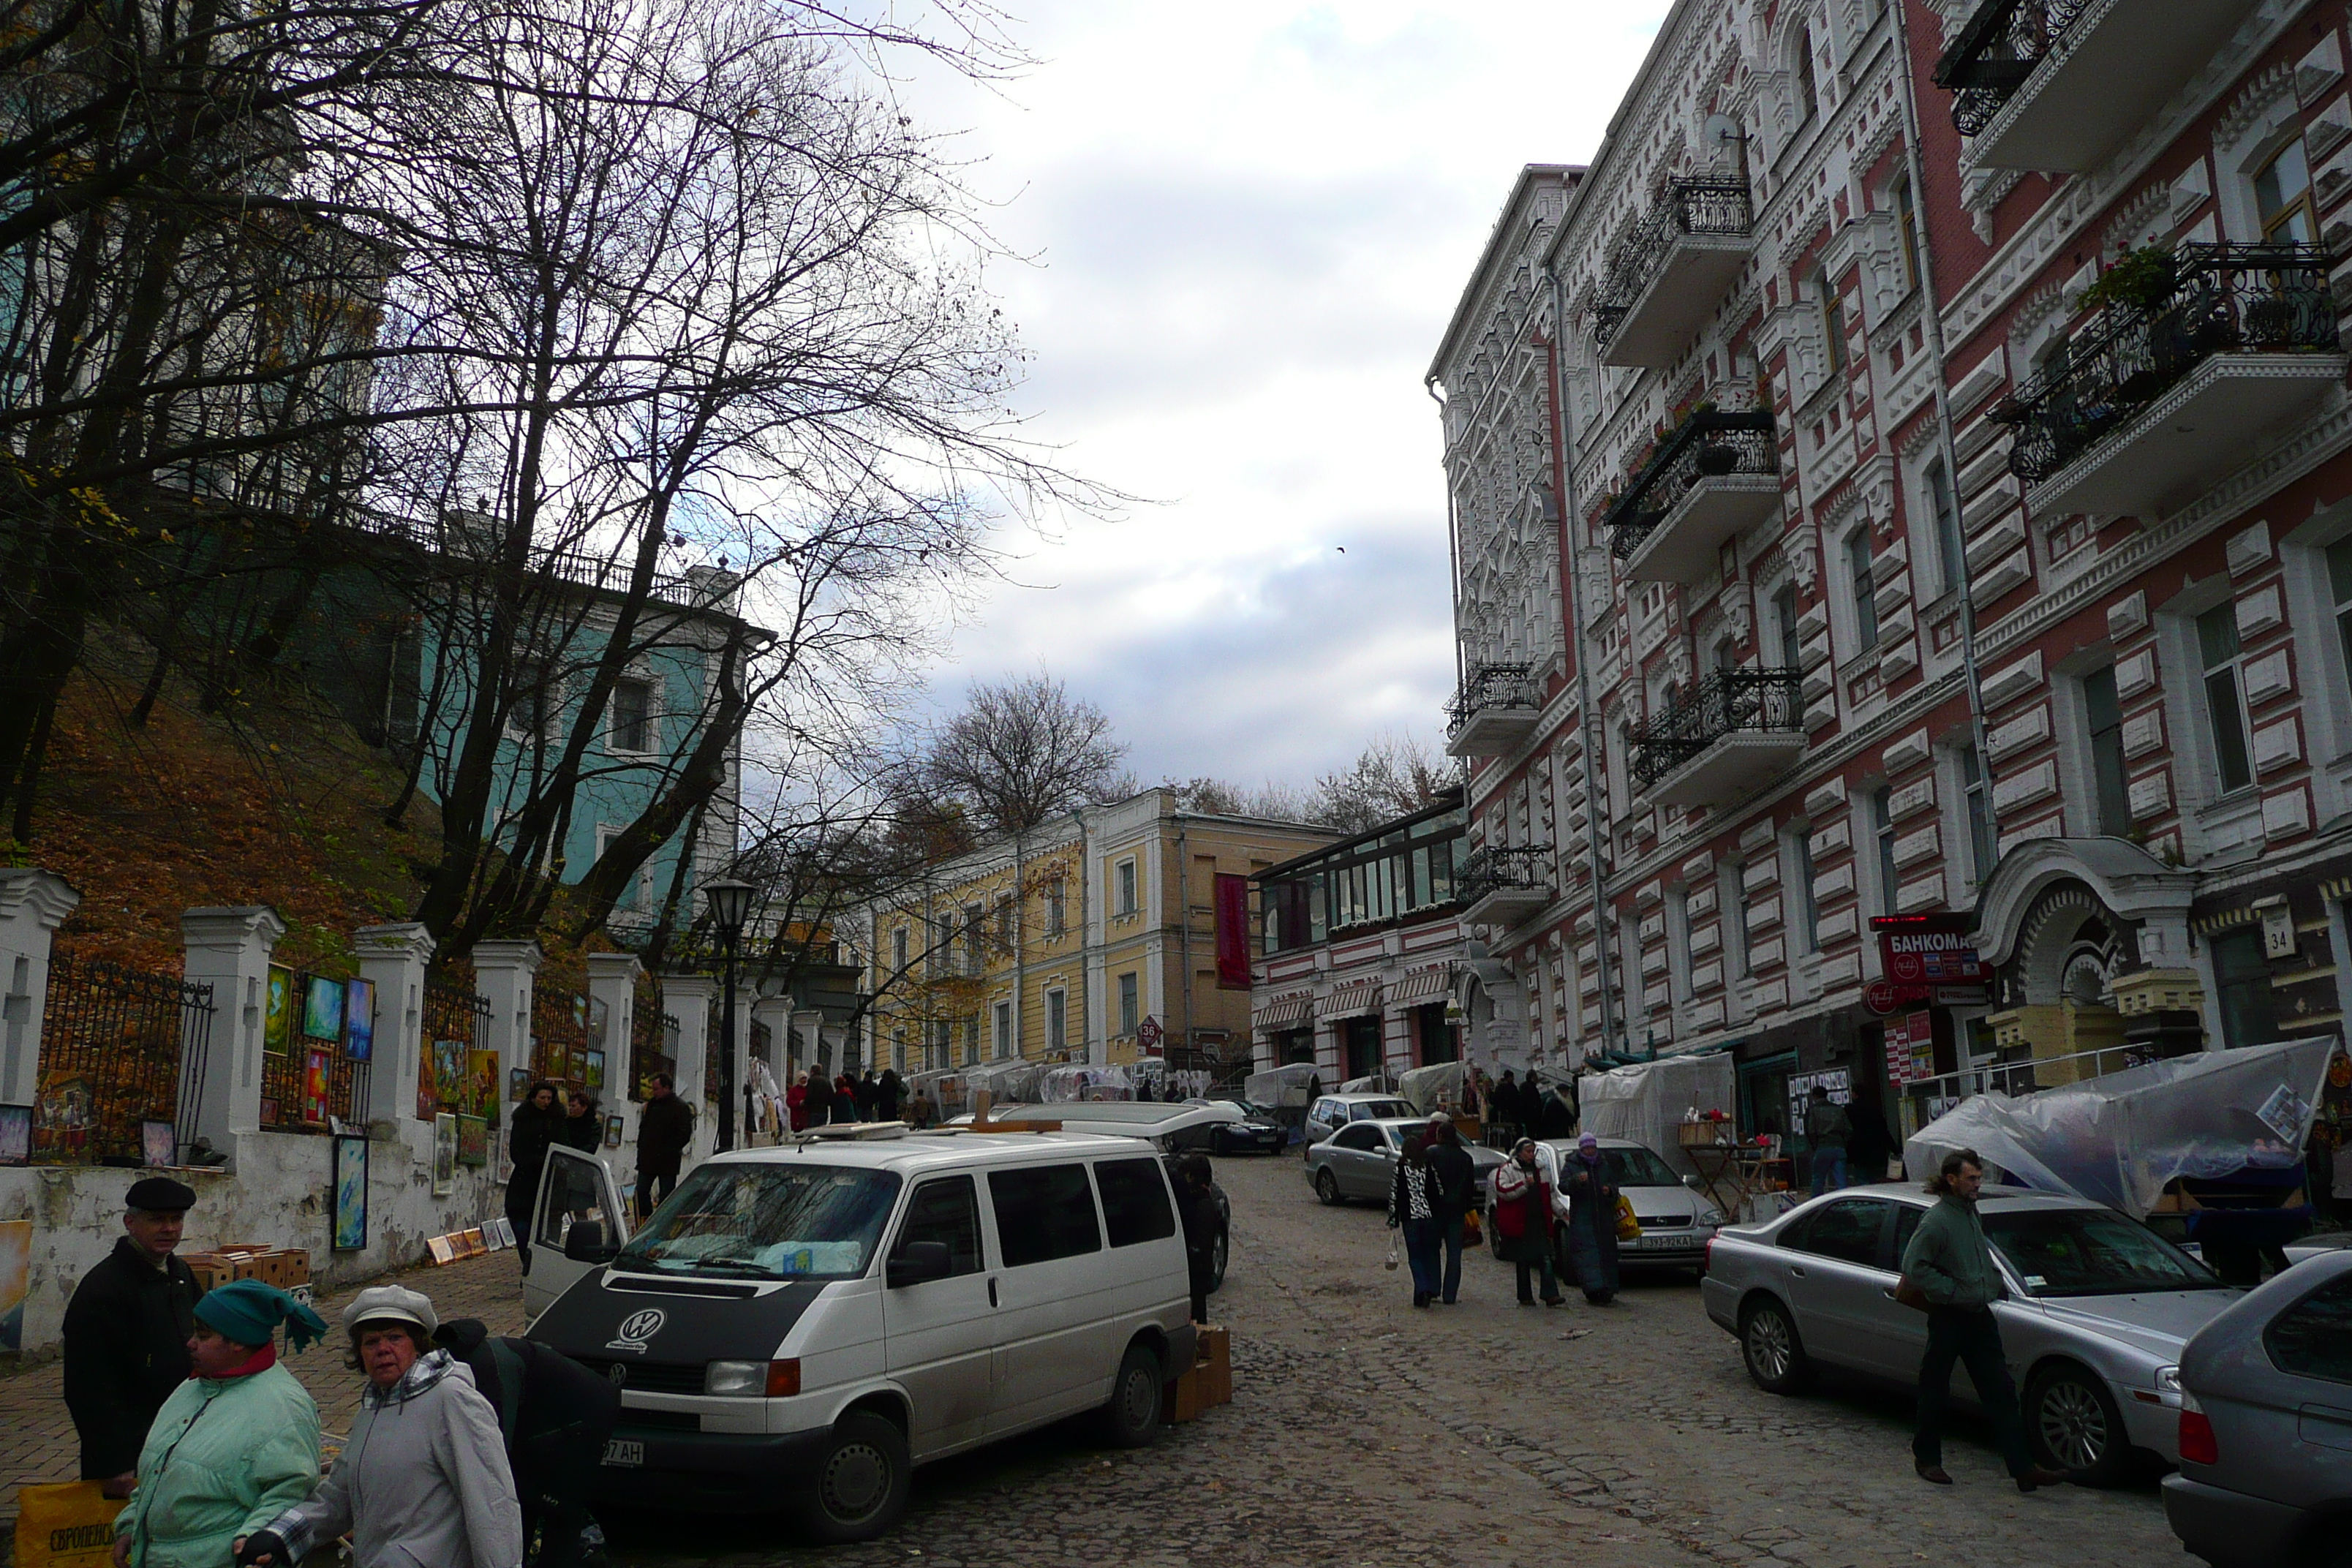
[{"x": 2142, "y": 278}]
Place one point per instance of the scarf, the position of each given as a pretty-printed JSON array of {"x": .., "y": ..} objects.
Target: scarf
[
  {"x": 261, "y": 1360},
  {"x": 429, "y": 1369}
]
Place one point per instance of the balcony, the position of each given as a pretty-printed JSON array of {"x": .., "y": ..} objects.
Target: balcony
[
  {"x": 1495, "y": 713},
  {"x": 1716, "y": 476},
  {"x": 2059, "y": 84},
  {"x": 2160, "y": 399},
  {"x": 1740, "y": 729},
  {"x": 1505, "y": 886},
  {"x": 1671, "y": 272}
]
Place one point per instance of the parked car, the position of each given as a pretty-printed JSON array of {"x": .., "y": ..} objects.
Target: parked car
[
  {"x": 1677, "y": 1222},
  {"x": 2098, "y": 1309},
  {"x": 1237, "y": 1130},
  {"x": 2265, "y": 1477},
  {"x": 1360, "y": 1159},
  {"x": 1332, "y": 1111}
]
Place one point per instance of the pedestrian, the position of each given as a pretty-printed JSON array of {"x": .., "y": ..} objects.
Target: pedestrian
[
  {"x": 1143, "y": 1088},
  {"x": 1592, "y": 1195},
  {"x": 868, "y": 1096},
  {"x": 664, "y": 1127},
  {"x": 1827, "y": 1127},
  {"x": 126, "y": 1333},
  {"x": 1457, "y": 1185},
  {"x": 1197, "y": 1207},
  {"x": 555, "y": 1416},
  {"x": 1503, "y": 1100},
  {"x": 1556, "y": 1114},
  {"x": 1523, "y": 1219},
  {"x": 816, "y": 1105},
  {"x": 537, "y": 1122},
  {"x": 796, "y": 1104},
  {"x": 583, "y": 1129},
  {"x": 424, "y": 1476},
  {"x": 235, "y": 1446},
  {"x": 888, "y": 1092},
  {"x": 1949, "y": 1263},
  {"x": 1413, "y": 1197},
  {"x": 845, "y": 1099}
]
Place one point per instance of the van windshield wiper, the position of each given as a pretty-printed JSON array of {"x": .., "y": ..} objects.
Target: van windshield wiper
[{"x": 652, "y": 1265}]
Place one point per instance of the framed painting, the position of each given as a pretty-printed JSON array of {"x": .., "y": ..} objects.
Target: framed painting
[
  {"x": 444, "y": 1154},
  {"x": 473, "y": 1140},
  {"x": 16, "y": 1134},
  {"x": 613, "y": 1128},
  {"x": 350, "y": 1193},
  {"x": 449, "y": 1072},
  {"x": 518, "y": 1083},
  {"x": 359, "y": 1019},
  {"x": 278, "y": 1011},
  {"x": 158, "y": 1145},
  {"x": 442, "y": 1249},
  {"x": 16, "y": 1280},
  {"x": 600, "y": 1018},
  {"x": 269, "y": 1110},
  {"x": 318, "y": 1074},
  {"x": 322, "y": 1007},
  {"x": 592, "y": 1072},
  {"x": 482, "y": 1081}
]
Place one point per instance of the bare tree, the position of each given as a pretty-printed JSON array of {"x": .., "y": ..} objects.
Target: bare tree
[
  {"x": 1394, "y": 776},
  {"x": 1022, "y": 752}
]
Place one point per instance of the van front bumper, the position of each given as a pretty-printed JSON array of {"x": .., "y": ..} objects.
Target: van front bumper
[{"x": 724, "y": 1472}]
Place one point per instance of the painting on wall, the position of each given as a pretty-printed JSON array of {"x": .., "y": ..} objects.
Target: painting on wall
[
  {"x": 317, "y": 1073},
  {"x": 612, "y": 1130},
  {"x": 322, "y": 1008},
  {"x": 482, "y": 1082},
  {"x": 592, "y": 1072},
  {"x": 16, "y": 1280},
  {"x": 350, "y": 1193},
  {"x": 449, "y": 1072},
  {"x": 278, "y": 1012},
  {"x": 157, "y": 1145},
  {"x": 473, "y": 1140},
  {"x": 444, "y": 1154},
  {"x": 518, "y": 1083},
  {"x": 359, "y": 1019},
  {"x": 600, "y": 1018},
  {"x": 16, "y": 1134}
]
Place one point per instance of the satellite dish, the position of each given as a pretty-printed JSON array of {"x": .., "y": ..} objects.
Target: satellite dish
[{"x": 1721, "y": 129}]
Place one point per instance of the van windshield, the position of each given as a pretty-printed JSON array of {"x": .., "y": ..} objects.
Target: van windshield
[{"x": 766, "y": 1222}]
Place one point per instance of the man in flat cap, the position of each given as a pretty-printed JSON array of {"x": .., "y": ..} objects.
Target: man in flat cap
[{"x": 126, "y": 1333}]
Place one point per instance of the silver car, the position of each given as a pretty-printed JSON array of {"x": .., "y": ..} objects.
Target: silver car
[
  {"x": 2098, "y": 1309},
  {"x": 1360, "y": 1159},
  {"x": 1332, "y": 1111},
  {"x": 2265, "y": 1477}
]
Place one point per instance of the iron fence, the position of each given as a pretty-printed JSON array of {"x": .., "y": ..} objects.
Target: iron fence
[
  {"x": 652, "y": 1040},
  {"x": 1725, "y": 702},
  {"x": 457, "y": 1024},
  {"x": 1503, "y": 868},
  {"x": 2221, "y": 297},
  {"x": 1710, "y": 443},
  {"x": 1706, "y": 205},
  {"x": 1997, "y": 51},
  {"x": 560, "y": 1037},
  {"x": 1489, "y": 686},
  {"x": 310, "y": 1081},
  {"x": 119, "y": 1048}
]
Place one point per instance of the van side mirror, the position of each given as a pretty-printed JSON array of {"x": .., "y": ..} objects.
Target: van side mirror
[
  {"x": 918, "y": 1263},
  {"x": 585, "y": 1242}
]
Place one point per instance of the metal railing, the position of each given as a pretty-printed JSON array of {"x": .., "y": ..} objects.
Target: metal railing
[
  {"x": 2223, "y": 297},
  {"x": 118, "y": 1047},
  {"x": 2016, "y": 1074},
  {"x": 312, "y": 1080},
  {"x": 1710, "y": 205},
  {"x": 1489, "y": 686},
  {"x": 456, "y": 1020},
  {"x": 559, "y": 1041},
  {"x": 1997, "y": 51},
  {"x": 1710, "y": 443},
  {"x": 1726, "y": 701},
  {"x": 1501, "y": 868}
]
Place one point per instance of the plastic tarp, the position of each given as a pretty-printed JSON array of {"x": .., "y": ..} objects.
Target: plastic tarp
[
  {"x": 2119, "y": 1138},
  {"x": 1424, "y": 1088},
  {"x": 1645, "y": 1103},
  {"x": 1288, "y": 1087},
  {"x": 1057, "y": 1085}
]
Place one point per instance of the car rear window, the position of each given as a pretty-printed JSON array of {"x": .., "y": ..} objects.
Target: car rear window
[
  {"x": 2314, "y": 1337},
  {"x": 1043, "y": 1212},
  {"x": 1135, "y": 1201}
]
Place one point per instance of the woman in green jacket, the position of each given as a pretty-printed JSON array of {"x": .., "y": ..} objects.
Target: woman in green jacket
[{"x": 235, "y": 1446}]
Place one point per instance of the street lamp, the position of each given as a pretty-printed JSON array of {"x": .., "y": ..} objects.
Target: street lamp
[{"x": 730, "y": 904}]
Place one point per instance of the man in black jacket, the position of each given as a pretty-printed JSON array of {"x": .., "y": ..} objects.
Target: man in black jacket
[
  {"x": 664, "y": 1128},
  {"x": 535, "y": 1124},
  {"x": 555, "y": 1416},
  {"x": 126, "y": 1333},
  {"x": 1457, "y": 1181}
]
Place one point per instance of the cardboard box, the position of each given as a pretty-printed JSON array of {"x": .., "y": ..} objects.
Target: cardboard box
[
  {"x": 211, "y": 1270},
  {"x": 1183, "y": 1400},
  {"x": 284, "y": 1266},
  {"x": 1215, "y": 1366}
]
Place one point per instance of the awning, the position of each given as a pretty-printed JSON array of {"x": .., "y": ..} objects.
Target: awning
[
  {"x": 1349, "y": 1001},
  {"x": 1422, "y": 985},
  {"x": 1282, "y": 1013}
]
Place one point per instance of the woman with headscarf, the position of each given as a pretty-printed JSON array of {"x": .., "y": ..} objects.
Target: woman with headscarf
[
  {"x": 1591, "y": 1191},
  {"x": 1523, "y": 1215},
  {"x": 534, "y": 1125},
  {"x": 1416, "y": 1200},
  {"x": 796, "y": 1104},
  {"x": 424, "y": 1478},
  {"x": 233, "y": 1445}
]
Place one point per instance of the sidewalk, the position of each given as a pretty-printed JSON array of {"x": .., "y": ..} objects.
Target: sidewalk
[{"x": 41, "y": 1446}]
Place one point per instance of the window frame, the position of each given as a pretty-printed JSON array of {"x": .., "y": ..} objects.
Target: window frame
[
  {"x": 1031, "y": 1228},
  {"x": 1001, "y": 1040},
  {"x": 1131, "y": 1001},
  {"x": 1861, "y": 588},
  {"x": 645, "y": 719},
  {"x": 2232, "y": 668},
  {"x": 1057, "y": 1019}
]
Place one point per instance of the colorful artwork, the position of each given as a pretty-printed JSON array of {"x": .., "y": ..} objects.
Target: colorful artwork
[
  {"x": 612, "y": 1130},
  {"x": 277, "y": 1014},
  {"x": 359, "y": 1019},
  {"x": 600, "y": 1018},
  {"x": 16, "y": 1134},
  {"x": 482, "y": 1082},
  {"x": 157, "y": 1144},
  {"x": 15, "y": 1278},
  {"x": 67, "y": 1103},
  {"x": 450, "y": 1073},
  {"x": 473, "y": 1140},
  {"x": 444, "y": 1154},
  {"x": 351, "y": 1194},
  {"x": 317, "y": 1073},
  {"x": 442, "y": 1249},
  {"x": 322, "y": 1008},
  {"x": 591, "y": 1071},
  {"x": 268, "y": 1110},
  {"x": 518, "y": 1083}
]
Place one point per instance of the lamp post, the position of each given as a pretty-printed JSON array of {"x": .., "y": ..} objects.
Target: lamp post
[{"x": 730, "y": 903}]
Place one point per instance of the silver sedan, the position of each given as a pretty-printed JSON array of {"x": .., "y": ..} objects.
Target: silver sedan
[
  {"x": 1360, "y": 1159},
  {"x": 2097, "y": 1310}
]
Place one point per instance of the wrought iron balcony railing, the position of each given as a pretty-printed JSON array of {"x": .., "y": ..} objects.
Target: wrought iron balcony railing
[
  {"x": 1491, "y": 686},
  {"x": 1726, "y": 702},
  {"x": 1709, "y": 444},
  {"x": 2264, "y": 298},
  {"x": 1997, "y": 52},
  {"x": 1686, "y": 207},
  {"x": 1504, "y": 868}
]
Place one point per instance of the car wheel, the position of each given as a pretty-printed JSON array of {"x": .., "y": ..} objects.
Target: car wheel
[
  {"x": 1494, "y": 1235},
  {"x": 862, "y": 1479},
  {"x": 1217, "y": 1261},
  {"x": 1769, "y": 1344},
  {"x": 1130, "y": 1417},
  {"x": 2075, "y": 1426},
  {"x": 1326, "y": 1186}
]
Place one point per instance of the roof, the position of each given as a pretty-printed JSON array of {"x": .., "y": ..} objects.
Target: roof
[
  {"x": 1450, "y": 801},
  {"x": 912, "y": 1151},
  {"x": 1466, "y": 309}
]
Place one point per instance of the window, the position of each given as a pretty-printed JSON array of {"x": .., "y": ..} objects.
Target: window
[
  {"x": 1135, "y": 1202},
  {"x": 1882, "y": 827},
  {"x": 1802, "y": 843},
  {"x": 2104, "y": 716},
  {"x": 1784, "y": 626},
  {"x": 1808, "y": 91},
  {"x": 1043, "y": 1212},
  {"x": 946, "y": 1211},
  {"x": 1057, "y": 911},
  {"x": 1004, "y": 922},
  {"x": 1738, "y": 884},
  {"x": 2242, "y": 977},
  {"x": 2282, "y": 197},
  {"x": 1864, "y": 589},
  {"x": 1003, "y": 1019},
  {"x": 635, "y": 895},
  {"x": 1981, "y": 850},
  {"x": 526, "y": 700},
  {"x": 971, "y": 1042},
  {"x": 1361, "y": 1136},
  {"x": 1906, "y": 224},
  {"x": 631, "y": 725},
  {"x": 1832, "y": 310},
  {"x": 2314, "y": 1337},
  {"x": 2225, "y": 714},
  {"x": 1125, "y": 875},
  {"x": 1847, "y": 1230},
  {"x": 898, "y": 950},
  {"x": 1129, "y": 1017},
  {"x": 1058, "y": 1021},
  {"x": 1945, "y": 506},
  {"x": 975, "y": 940},
  {"x": 2339, "y": 589}
]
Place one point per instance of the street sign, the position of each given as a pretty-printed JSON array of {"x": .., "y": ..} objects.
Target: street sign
[{"x": 1147, "y": 1034}]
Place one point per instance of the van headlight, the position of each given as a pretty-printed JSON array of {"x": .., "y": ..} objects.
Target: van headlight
[{"x": 736, "y": 1377}]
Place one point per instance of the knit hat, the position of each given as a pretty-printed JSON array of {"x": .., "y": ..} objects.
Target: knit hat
[
  {"x": 1588, "y": 1141},
  {"x": 247, "y": 1311},
  {"x": 393, "y": 1304}
]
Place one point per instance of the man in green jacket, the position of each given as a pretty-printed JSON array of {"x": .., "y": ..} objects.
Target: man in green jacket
[{"x": 1952, "y": 1266}]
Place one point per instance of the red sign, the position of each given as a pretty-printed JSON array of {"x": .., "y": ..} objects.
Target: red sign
[
  {"x": 1146, "y": 1034},
  {"x": 1230, "y": 901},
  {"x": 1910, "y": 1047},
  {"x": 1924, "y": 956},
  {"x": 1884, "y": 997}
]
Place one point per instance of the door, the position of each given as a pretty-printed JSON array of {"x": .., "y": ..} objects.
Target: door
[
  {"x": 942, "y": 1333},
  {"x": 1355, "y": 1157},
  {"x": 1049, "y": 1240},
  {"x": 574, "y": 1186},
  {"x": 1843, "y": 1293}
]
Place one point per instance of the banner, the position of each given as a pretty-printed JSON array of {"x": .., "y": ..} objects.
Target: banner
[{"x": 1232, "y": 901}]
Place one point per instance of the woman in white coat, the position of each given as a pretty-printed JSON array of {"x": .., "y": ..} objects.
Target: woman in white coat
[{"x": 424, "y": 1478}]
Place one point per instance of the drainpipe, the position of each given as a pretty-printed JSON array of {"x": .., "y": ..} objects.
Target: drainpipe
[
  {"x": 1086, "y": 939},
  {"x": 1185, "y": 931}
]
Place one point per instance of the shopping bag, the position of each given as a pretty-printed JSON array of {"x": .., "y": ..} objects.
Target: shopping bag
[
  {"x": 1628, "y": 1226},
  {"x": 1393, "y": 1250},
  {"x": 1474, "y": 1233},
  {"x": 69, "y": 1524},
  {"x": 1908, "y": 1294}
]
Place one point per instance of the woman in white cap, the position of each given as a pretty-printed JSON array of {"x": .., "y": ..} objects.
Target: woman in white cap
[{"x": 424, "y": 1478}]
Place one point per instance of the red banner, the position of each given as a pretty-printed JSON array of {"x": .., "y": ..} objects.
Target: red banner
[{"x": 1231, "y": 902}]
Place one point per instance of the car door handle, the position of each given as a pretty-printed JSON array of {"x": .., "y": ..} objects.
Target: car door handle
[
  {"x": 991, "y": 1292},
  {"x": 1797, "y": 1272}
]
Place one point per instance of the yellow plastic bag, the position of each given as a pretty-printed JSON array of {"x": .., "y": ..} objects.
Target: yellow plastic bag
[
  {"x": 69, "y": 1524},
  {"x": 1628, "y": 1226}
]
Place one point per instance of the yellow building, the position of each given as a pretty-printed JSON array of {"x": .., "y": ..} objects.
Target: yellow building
[{"x": 1073, "y": 944}]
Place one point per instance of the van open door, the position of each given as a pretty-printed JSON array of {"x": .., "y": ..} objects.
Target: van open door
[{"x": 576, "y": 1190}]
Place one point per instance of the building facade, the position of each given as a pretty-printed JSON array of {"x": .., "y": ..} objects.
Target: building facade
[{"x": 1900, "y": 476}]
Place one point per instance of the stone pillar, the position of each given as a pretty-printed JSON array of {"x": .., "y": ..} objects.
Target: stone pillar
[
  {"x": 393, "y": 958},
  {"x": 688, "y": 998},
  {"x": 613, "y": 980},
  {"x": 228, "y": 949},
  {"x": 1396, "y": 1041},
  {"x": 774, "y": 1014},
  {"x": 1331, "y": 1053},
  {"x": 504, "y": 975},
  {"x": 33, "y": 904}
]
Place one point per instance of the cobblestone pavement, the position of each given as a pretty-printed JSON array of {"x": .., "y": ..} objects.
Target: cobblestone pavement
[{"x": 1362, "y": 1430}]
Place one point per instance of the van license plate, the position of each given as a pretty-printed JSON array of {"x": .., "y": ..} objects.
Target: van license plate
[{"x": 624, "y": 1451}]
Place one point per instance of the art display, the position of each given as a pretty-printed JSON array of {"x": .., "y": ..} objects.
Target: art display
[
  {"x": 445, "y": 1152},
  {"x": 278, "y": 1011},
  {"x": 157, "y": 1143},
  {"x": 592, "y": 1070},
  {"x": 475, "y": 1245},
  {"x": 600, "y": 1018},
  {"x": 482, "y": 1082},
  {"x": 16, "y": 1134},
  {"x": 473, "y": 1140},
  {"x": 351, "y": 1194},
  {"x": 506, "y": 1231},
  {"x": 318, "y": 1075},
  {"x": 518, "y": 1083},
  {"x": 450, "y": 1073},
  {"x": 268, "y": 1110},
  {"x": 15, "y": 1278},
  {"x": 613, "y": 1129},
  {"x": 359, "y": 1019},
  {"x": 442, "y": 1249},
  {"x": 322, "y": 1008}
]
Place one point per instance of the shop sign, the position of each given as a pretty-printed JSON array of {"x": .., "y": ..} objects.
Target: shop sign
[
  {"x": 1883, "y": 996},
  {"x": 1910, "y": 1047},
  {"x": 1925, "y": 950}
]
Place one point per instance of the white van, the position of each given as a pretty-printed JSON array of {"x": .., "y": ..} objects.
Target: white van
[{"x": 805, "y": 1324}]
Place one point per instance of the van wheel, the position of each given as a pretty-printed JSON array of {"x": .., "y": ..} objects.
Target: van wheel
[
  {"x": 1130, "y": 1417},
  {"x": 861, "y": 1483},
  {"x": 1326, "y": 1186}
]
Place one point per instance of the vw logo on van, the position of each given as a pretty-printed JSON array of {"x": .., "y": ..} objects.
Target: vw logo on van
[{"x": 637, "y": 1329}]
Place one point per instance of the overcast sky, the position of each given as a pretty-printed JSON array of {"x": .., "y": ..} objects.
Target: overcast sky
[{"x": 1251, "y": 220}]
